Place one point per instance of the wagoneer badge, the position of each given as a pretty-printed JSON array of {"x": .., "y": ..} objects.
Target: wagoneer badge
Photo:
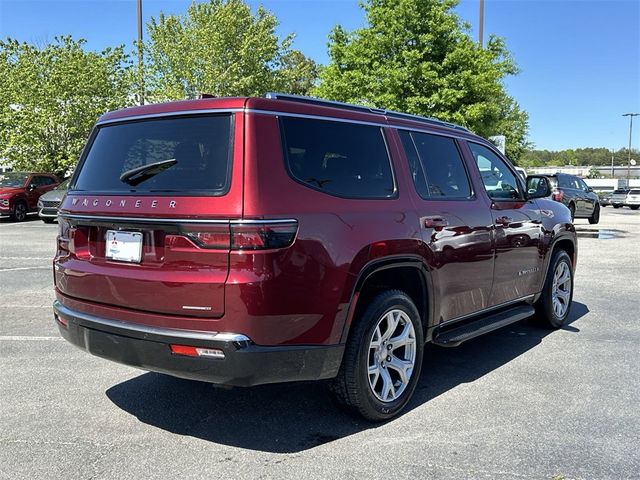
[{"x": 153, "y": 203}]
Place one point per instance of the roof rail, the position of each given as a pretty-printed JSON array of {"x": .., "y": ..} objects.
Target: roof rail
[{"x": 361, "y": 108}]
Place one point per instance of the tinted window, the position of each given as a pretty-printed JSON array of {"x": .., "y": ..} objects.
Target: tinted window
[
  {"x": 567, "y": 181},
  {"x": 440, "y": 172},
  {"x": 634, "y": 192},
  {"x": 499, "y": 181},
  {"x": 13, "y": 179},
  {"x": 199, "y": 146},
  {"x": 582, "y": 185},
  {"x": 415, "y": 166},
  {"x": 43, "y": 181},
  {"x": 537, "y": 185},
  {"x": 338, "y": 158}
]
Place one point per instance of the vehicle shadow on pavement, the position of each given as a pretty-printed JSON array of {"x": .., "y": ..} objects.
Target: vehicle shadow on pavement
[{"x": 290, "y": 418}]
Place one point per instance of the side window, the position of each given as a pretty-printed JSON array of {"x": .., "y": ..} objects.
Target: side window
[
  {"x": 565, "y": 181},
  {"x": 44, "y": 181},
  {"x": 415, "y": 166},
  {"x": 338, "y": 158},
  {"x": 499, "y": 181},
  {"x": 436, "y": 166},
  {"x": 36, "y": 181},
  {"x": 582, "y": 185}
]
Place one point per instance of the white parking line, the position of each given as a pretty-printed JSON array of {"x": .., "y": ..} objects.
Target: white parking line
[
  {"x": 23, "y": 338},
  {"x": 24, "y": 268},
  {"x": 26, "y": 258}
]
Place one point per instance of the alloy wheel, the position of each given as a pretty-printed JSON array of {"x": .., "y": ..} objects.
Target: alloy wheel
[
  {"x": 392, "y": 355},
  {"x": 561, "y": 289}
]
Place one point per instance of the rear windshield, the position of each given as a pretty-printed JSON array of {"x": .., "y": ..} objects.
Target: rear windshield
[
  {"x": 634, "y": 192},
  {"x": 183, "y": 154},
  {"x": 620, "y": 191}
]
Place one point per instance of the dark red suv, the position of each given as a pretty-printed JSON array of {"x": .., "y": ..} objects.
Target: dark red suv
[
  {"x": 20, "y": 191},
  {"x": 245, "y": 241}
]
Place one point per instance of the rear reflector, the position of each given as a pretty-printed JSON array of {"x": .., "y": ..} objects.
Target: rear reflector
[
  {"x": 61, "y": 320},
  {"x": 190, "y": 351}
]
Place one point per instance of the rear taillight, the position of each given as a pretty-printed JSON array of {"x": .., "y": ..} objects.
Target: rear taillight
[
  {"x": 245, "y": 235},
  {"x": 215, "y": 236},
  {"x": 262, "y": 236},
  {"x": 557, "y": 194}
]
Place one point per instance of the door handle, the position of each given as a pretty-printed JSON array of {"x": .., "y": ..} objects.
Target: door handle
[
  {"x": 435, "y": 222},
  {"x": 504, "y": 220}
]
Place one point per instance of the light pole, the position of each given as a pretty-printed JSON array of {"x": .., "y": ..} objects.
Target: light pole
[
  {"x": 481, "y": 26},
  {"x": 140, "y": 52},
  {"x": 630, "y": 115}
]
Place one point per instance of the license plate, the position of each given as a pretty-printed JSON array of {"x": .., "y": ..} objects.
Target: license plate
[{"x": 124, "y": 246}]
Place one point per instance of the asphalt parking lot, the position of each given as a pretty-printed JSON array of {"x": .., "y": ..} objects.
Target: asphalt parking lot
[{"x": 519, "y": 403}]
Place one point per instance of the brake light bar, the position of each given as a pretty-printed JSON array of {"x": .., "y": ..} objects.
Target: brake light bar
[{"x": 245, "y": 235}]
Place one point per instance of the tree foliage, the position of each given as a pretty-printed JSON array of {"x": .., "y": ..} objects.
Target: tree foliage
[
  {"x": 220, "y": 47},
  {"x": 580, "y": 156},
  {"x": 416, "y": 56},
  {"x": 50, "y": 97}
]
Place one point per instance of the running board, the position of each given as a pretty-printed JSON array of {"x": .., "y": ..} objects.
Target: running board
[{"x": 456, "y": 335}]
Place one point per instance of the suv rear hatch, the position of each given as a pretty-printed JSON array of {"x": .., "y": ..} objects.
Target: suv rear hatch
[{"x": 145, "y": 224}]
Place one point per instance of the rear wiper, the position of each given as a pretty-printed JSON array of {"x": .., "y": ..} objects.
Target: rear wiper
[{"x": 140, "y": 174}]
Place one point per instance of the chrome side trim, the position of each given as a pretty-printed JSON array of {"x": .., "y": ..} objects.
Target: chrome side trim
[
  {"x": 146, "y": 329},
  {"x": 207, "y": 111},
  {"x": 175, "y": 220}
]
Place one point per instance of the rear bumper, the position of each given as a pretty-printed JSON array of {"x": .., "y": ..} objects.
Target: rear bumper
[{"x": 244, "y": 364}]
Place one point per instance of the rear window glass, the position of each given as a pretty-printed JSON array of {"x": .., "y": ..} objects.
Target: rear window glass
[
  {"x": 181, "y": 154},
  {"x": 440, "y": 172},
  {"x": 338, "y": 158},
  {"x": 634, "y": 192}
]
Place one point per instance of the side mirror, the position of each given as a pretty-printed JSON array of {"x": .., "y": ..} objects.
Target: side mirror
[
  {"x": 32, "y": 187},
  {"x": 589, "y": 189},
  {"x": 538, "y": 187}
]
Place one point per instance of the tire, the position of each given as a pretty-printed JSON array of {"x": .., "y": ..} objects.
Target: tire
[
  {"x": 367, "y": 384},
  {"x": 19, "y": 211},
  {"x": 572, "y": 209},
  {"x": 617, "y": 206},
  {"x": 47, "y": 220},
  {"x": 549, "y": 313},
  {"x": 634, "y": 207},
  {"x": 595, "y": 216}
]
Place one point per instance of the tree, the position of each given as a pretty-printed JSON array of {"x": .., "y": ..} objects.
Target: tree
[
  {"x": 50, "y": 97},
  {"x": 416, "y": 56},
  {"x": 220, "y": 47}
]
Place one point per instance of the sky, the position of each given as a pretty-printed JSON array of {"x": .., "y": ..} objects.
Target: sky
[{"x": 579, "y": 59}]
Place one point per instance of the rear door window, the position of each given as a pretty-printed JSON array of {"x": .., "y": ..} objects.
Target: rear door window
[
  {"x": 338, "y": 158},
  {"x": 436, "y": 166},
  {"x": 189, "y": 154}
]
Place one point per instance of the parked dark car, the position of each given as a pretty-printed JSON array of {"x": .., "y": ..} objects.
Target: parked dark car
[
  {"x": 20, "y": 191},
  {"x": 605, "y": 199},
  {"x": 49, "y": 203},
  {"x": 571, "y": 191},
  {"x": 245, "y": 241}
]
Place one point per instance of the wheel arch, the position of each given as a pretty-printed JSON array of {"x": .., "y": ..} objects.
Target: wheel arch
[{"x": 402, "y": 272}]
